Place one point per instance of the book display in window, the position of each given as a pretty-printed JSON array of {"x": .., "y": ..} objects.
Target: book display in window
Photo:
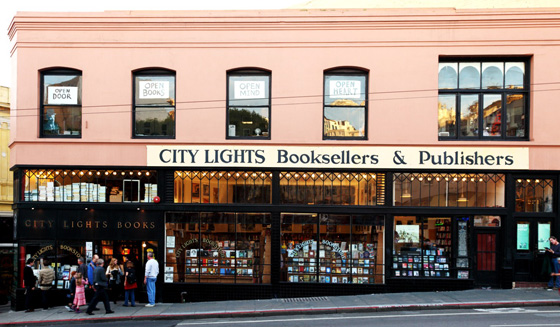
[
  {"x": 434, "y": 263},
  {"x": 332, "y": 262}
]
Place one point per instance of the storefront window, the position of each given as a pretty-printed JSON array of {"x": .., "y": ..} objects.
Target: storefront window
[
  {"x": 448, "y": 190},
  {"x": 154, "y": 104},
  {"x": 329, "y": 248},
  {"x": 341, "y": 188},
  {"x": 345, "y": 104},
  {"x": 248, "y": 104},
  {"x": 218, "y": 248},
  {"x": 223, "y": 187},
  {"x": 422, "y": 247},
  {"x": 533, "y": 195},
  {"x": 61, "y": 105},
  {"x": 89, "y": 185}
]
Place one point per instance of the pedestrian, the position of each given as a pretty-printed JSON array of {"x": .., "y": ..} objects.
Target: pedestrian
[
  {"x": 554, "y": 253},
  {"x": 46, "y": 278},
  {"x": 82, "y": 268},
  {"x": 114, "y": 273},
  {"x": 29, "y": 281},
  {"x": 71, "y": 292},
  {"x": 91, "y": 267},
  {"x": 100, "y": 283},
  {"x": 80, "y": 295},
  {"x": 130, "y": 284},
  {"x": 151, "y": 273}
]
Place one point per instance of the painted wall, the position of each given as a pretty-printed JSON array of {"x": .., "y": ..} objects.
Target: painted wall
[{"x": 400, "y": 48}]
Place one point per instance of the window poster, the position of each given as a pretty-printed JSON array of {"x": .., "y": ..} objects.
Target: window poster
[
  {"x": 462, "y": 250},
  {"x": 345, "y": 89},
  {"x": 62, "y": 95},
  {"x": 408, "y": 233},
  {"x": 153, "y": 89},
  {"x": 543, "y": 238},
  {"x": 522, "y": 236},
  {"x": 249, "y": 89},
  {"x": 168, "y": 275}
]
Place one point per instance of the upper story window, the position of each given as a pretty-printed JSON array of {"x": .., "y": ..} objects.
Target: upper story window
[
  {"x": 61, "y": 103},
  {"x": 345, "y": 104},
  {"x": 534, "y": 195},
  {"x": 154, "y": 104},
  {"x": 248, "y": 104},
  {"x": 486, "y": 99}
]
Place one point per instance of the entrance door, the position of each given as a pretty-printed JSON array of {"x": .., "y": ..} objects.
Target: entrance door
[
  {"x": 532, "y": 236},
  {"x": 487, "y": 257}
]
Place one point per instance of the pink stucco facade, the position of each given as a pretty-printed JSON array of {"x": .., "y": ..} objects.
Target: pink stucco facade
[{"x": 399, "y": 48}]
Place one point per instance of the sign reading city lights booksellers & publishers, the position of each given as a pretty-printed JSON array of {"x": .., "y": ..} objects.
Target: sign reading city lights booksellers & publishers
[{"x": 338, "y": 157}]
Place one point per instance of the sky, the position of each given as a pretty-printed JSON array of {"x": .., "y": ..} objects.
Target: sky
[{"x": 10, "y": 7}]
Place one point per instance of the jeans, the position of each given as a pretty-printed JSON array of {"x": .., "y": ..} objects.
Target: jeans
[
  {"x": 129, "y": 294},
  {"x": 554, "y": 280},
  {"x": 151, "y": 289}
]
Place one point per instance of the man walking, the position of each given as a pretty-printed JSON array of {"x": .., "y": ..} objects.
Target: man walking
[
  {"x": 555, "y": 253},
  {"x": 152, "y": 271},
  {"x": 29, "y": 280},
  {"x": 100, "y": 284}
]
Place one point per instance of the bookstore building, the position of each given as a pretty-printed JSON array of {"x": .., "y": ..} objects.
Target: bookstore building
[
  {"x": 334, "y": 172},
  {"x": 266, "y": 229}
]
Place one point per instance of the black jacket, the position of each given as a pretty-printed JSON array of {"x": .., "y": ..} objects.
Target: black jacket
[
  {"x": 99, "y": 277},
  {"x": 29, "y": 278}
]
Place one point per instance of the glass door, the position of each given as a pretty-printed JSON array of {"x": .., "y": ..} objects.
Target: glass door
[{"x": 531, "y": 239}]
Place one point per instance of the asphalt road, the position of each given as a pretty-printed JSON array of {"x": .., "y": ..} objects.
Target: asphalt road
[{"x": 506, "y": 317}]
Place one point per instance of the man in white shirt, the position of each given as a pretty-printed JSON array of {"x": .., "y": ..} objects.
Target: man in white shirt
[{"x": 152, "y": 271}]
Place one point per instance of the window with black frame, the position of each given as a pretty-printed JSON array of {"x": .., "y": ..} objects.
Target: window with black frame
[
  {"x": 332, "y": 248},
  {"x": 218, "y": 247},
  {"x": 248, "y": 104},
  {"x": 345, "y": 104},
  {"x": 483, "y": 99},
  {"x": 61, "y": 103},
  {"x": 154, "y": 104}
]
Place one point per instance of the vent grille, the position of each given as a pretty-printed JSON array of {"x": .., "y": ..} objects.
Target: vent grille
[{"x": 304, "y": 299}]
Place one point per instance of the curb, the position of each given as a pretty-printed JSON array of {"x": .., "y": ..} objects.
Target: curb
[{"x": 288, "y": 312}]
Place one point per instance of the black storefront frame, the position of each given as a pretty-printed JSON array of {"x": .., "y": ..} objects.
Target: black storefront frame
[{"x": 202, "y": 292}]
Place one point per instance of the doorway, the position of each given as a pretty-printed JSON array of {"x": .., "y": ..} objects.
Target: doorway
[
  {"x": 532, "y": 237},
  {"x": 486, "y": 259}
]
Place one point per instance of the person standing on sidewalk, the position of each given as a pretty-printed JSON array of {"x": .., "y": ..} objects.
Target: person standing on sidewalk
[
  {"x": 555, "y": 254},
  {"x": 91, "y": 267},
  {"x": 29, "y": 280},
  {"x": 152, "y": 271},
  {"x": 129, "y": 284},
  {"x": 82, "y": 268},
  {"x": 46, "y": 277},
  {"x": 100, "y": 284}
]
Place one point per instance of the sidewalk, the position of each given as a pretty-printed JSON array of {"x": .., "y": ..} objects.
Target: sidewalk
[{"x": 479, "y": 298}]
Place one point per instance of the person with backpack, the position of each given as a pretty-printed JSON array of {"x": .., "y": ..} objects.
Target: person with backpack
[{"x": 129, "y": 284}]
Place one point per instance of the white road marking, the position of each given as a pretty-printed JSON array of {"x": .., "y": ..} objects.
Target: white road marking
[
  {"x": 367, "y": 317},
  {"x": 532, "y": 325}
]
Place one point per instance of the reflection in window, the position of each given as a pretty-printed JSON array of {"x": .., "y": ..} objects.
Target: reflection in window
[
  {"x": 61, "y": 105},
  {"x": 223, "y": 187},
  {"x": 89, "y": 185},
  {"x": 154, "y": 104},
  {"x": 422, "y": 247},
  {"x": 487, "y": 221},
  {"x": 534, "y": 195},
  {"x": 448, "y": 190},
  {"x": 476, "y": 95},
  {"x": 219, "y": 247},
  {"x": 345, "y": 104},
  {"x": 344, "y": 249},
  {"x": 248, "y": 104},
  {"x": 341, "y": 188}
]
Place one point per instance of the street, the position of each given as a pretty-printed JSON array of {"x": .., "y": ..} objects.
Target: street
[{"x": 500, "y": 317}]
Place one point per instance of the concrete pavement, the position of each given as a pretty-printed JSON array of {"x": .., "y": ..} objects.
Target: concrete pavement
[{"x": 478, "y": 298}]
